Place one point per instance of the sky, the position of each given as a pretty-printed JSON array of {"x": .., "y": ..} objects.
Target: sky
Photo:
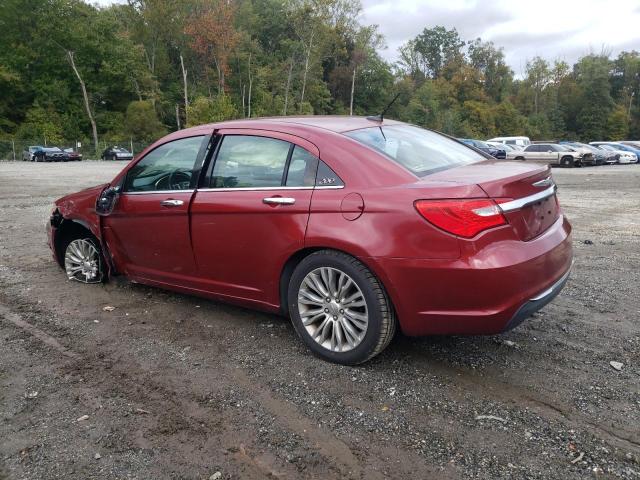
[{"x": 552, "y": 29}]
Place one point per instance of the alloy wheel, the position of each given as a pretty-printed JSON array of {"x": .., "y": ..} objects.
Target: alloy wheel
[
  {"x": 333, "y": 309},
  {"x": 82, "y": 261}
]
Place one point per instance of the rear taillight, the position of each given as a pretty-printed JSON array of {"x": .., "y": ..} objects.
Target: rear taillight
[{"x": 465, "y": 218}]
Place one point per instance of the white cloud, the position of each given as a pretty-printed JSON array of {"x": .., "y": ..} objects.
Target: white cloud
[{"x": 553, "y": 29}]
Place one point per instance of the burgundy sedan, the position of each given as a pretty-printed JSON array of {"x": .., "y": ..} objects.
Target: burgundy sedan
[{"x": 352, "y": 227}]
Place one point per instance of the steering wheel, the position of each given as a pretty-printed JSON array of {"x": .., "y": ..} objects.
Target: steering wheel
[{"x": 179, "y": 180}]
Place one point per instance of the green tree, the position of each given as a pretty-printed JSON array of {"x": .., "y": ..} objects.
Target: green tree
[
  {"x": 617, "y": 124},
  {"x": 41, "y": 125},
  {"x": 141, "y": 121},
  {"x": 207, "y": 110}
]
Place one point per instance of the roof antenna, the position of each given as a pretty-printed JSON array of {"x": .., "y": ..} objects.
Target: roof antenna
[{"x": 380, "y": 118}]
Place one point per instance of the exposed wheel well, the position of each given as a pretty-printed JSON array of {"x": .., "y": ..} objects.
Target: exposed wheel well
[
  {"x": 519, "y": 158},
  {"x": 66, "y": 231}
]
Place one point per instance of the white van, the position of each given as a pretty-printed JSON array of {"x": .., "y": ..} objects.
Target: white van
[{"x": 518, "y": 141}]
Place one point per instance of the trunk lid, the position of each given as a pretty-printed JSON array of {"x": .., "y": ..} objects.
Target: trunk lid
[{"x": 507, "y": 181}]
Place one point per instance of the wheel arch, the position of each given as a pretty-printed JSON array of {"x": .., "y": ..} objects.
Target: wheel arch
[
  {"x": 294, "y": 259},
  {"x": 67, "y": 230}
]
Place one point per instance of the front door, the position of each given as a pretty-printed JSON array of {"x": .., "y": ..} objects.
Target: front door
[
  {"x": 252, "y": 213},
  {"x": 148, "y": 230}
]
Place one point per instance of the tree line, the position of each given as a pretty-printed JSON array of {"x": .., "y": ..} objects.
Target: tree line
[{"x": 70, "y": 70}]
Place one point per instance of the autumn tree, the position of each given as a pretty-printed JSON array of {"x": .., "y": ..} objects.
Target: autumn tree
[{"x": 213, "y": 35}]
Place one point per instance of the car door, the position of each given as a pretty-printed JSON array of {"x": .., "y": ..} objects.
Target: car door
[
  {"x": 148, "y": 230},
  {"x": 252, "y": 213},
  {"x": 532, "y": 153}
]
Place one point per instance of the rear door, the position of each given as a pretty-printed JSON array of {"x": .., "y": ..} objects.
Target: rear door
[{"x": 252, "y": 212}]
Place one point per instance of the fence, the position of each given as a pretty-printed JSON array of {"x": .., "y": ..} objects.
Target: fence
[{"x": 12, "y": 149}]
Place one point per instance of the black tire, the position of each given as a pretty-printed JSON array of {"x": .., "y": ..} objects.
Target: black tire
[
  {"x": 381, "y": 316},
  {"x": 519, "y": 158},
  {"x": 568, "y": 162}
]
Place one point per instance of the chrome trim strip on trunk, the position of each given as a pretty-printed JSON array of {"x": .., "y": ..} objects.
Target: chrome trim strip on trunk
[{"x": 524, "y": 201}]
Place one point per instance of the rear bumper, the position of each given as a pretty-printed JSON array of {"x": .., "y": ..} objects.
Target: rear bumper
[
  {"x": 537, "y": 302},
  {"x": 492, "y": 287}
]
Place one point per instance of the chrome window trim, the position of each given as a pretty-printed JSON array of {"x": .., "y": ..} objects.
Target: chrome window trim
[
  {"x": 157, "y": 191},
  {"x": 523, "y": 202},
  {"x": 264, "y": 189}
]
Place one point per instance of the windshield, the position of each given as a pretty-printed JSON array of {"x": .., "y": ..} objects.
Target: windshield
[
  {"x": 119, "y": 150},
  {"x": 52, "y": 149},
  {"x": 419, "y": 151}
]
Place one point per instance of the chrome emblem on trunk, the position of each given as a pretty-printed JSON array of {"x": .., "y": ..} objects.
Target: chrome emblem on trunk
[{"x": 545, "y": 182}]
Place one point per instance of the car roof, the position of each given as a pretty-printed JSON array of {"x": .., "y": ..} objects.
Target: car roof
[{"x": 334, "y": 123}]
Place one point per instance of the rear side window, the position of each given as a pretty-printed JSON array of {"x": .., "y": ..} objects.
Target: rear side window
[
  {"x": 418, "y": 150},
  {"x": 245, "y": 161},
  {"x": 327, "y": 177}
]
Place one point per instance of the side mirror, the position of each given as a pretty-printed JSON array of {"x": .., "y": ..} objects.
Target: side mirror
[{"x": 107, "y": 200}]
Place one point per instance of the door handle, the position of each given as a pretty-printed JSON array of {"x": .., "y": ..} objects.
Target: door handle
[
  {"x": 279, "y": 201},
  {"x": 171, "y": 203}
]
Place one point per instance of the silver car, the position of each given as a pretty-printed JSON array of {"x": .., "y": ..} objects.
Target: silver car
[
  {"x": 623, "y": 155},
  {"x": 553, "y": 154}
]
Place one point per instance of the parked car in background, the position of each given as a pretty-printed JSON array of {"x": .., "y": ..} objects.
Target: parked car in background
[
  {"x": 610, "y": 157},
  {"x": 520, "y": 141},
  {"x": 631, "y": 143},
  {"x": 285, "y": 215},
  {"x": 511, "y": 151},
  {"x": 74, "y": 156},
  {"x": 592, "y": 156},
  {"x": 29, "y": 155},
  {"x": 613, "y": 154},
  {"x": 116, "y": 153},
  {"x": 551, "y": 154},
  {"x": 51, "y": 154},
  {"x": 632, "y": 154},
  {"x": 495, "y": 152}
]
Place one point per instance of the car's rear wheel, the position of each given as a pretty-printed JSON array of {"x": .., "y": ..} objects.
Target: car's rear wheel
[
  {"x": 83, "y": 260},
  {"x": 339, "y": 308},
  {"x": 519, "y": 158}
]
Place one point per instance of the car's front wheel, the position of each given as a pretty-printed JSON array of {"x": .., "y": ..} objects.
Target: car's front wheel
[
  {"x": 339, "y": 308},
  {"x": 567, "y": 162},
  {"x": 83, "y": 260}
]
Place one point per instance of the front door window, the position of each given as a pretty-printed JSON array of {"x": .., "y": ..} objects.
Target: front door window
[{"x": 168, "y": 167}]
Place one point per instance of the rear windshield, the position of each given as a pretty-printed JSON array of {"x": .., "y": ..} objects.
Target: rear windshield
[{"x": 418, "y": 150}]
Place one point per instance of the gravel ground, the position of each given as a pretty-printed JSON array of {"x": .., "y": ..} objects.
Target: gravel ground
[{"x": 173, "y": 386}]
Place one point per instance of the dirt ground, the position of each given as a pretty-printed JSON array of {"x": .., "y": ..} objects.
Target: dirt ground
[{"x": 172, "y": 386}]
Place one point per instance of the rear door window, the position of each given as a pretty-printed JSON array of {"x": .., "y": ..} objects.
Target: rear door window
[
  {"x": 302, "y": 168},
  {"x": 245, "y": 161}
]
